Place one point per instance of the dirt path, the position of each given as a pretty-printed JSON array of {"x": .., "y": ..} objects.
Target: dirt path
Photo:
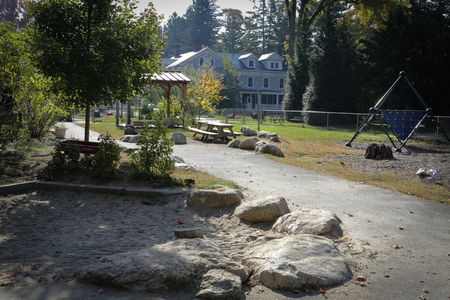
[{"x": 380, "y": 217}]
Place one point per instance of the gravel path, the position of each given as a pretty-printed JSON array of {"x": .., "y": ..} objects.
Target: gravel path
[{"x": 380, "y": 218}]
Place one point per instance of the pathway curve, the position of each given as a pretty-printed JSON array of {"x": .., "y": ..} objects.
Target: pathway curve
[{"x": 383, "y": 218}]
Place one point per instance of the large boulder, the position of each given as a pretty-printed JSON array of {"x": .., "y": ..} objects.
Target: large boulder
[
  {"x": 265, "y": 147},
  {"x": 217, "y": 198},
  {"x": 297, "y": 262},
  {"x": 311, "y": 221},
  {"x": 262, "y": 210},
  {"x": 234, "y": 143},
  {"x": 247, "y": 131},
  {"x": 248, "y": 144},
  {"x": 130, "y": 130},
  {"x": 220, "y": 284},
  {"x": 171, "y": 266},
  {"x": 130, "y": 138},
  {"x": 178, "y": 138}
]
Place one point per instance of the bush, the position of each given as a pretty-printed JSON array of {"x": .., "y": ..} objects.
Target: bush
[
  {"x": 105, "y": 161},
  {"x": 64, "y": 160},
  {"x": 152, "y": 160}
]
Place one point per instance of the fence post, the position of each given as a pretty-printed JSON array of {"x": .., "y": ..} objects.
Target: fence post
[
  {"x": 328, "y": 115},
  {"x": 437, "y": 127},
  {"x": 259, "y": 120},
  {"x": 357, "y": 121}
]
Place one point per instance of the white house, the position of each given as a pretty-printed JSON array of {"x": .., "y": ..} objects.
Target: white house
[{"x": 262, "y": 76}]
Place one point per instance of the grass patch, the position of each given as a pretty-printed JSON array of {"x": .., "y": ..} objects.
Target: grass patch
[{"x": 203, "y": 180}]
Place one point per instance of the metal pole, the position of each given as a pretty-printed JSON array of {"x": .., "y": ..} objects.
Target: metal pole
[
  {"x": 437, "y": 127},
  {"x": 328, "y": 118},
  {"x": 357, "y": 121}
]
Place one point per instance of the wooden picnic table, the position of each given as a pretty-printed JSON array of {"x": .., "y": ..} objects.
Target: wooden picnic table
[{"x": 215, "y": 129}]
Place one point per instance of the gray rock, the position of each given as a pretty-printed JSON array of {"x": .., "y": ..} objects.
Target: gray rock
[
  {"x": 126, "y": 138},
  {"x": 171, "y": 266},
  {"x": 130, "y": 130},
  {"x": 220, "y": 284},
  {"x": 275, "y": 138},
  {"x": 177, "y": 159},
  {"x": 265, "y": 147},
  {"x": 297, "y": 261},
  {"x": 312, "y": 221},
  {"x": 247, "y": 131},
  {"x": 178, "y": 138},
  {"x": 180, "y": 163},
  {"x": 248, "y": 144},
  {"x": 263, "y": 134},
  {"x": 262, "y": 210},
  {"x": 217, "y": 198},
  {"x": 188, "y": 233},
  {"x": 234, "y": 143}
]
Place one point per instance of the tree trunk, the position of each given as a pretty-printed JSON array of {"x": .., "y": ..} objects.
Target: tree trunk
[
  {"x": 117, "y": 112},
  {"x": 291, "y": 9},
  {"x": 87, "y": 122},
  {"x": 129, "y": 112}
]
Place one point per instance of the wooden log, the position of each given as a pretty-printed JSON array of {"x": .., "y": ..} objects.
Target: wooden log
[{"x": 188, "y": 233}]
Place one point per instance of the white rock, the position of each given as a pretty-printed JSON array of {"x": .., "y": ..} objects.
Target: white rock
[
  {"x": 312, "y": 221},
  {"x": 171, "y": 266},
  {"x": 178, "y": 138},
  {"x": 220, "y": 284},
  {"x": 297, "y": 261},
  {"x": 262, "y": 210},
  {"x": 234, "y": 143},
  {"x": 217, "y": 198},
  {"x": 249, "y": 144}
]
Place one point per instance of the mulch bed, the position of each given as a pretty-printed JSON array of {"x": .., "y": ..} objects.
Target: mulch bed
[{"x": 406, "y": 163}]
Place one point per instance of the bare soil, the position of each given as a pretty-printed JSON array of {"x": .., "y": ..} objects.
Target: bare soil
[
  {"x": 405, "y": 163},
  {"x": 45, "y": 237}
]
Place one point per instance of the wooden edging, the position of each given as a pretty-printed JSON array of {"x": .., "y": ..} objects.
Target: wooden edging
[{"x": 102, "y": 189}]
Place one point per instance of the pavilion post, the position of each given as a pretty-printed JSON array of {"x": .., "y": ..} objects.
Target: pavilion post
[{"x": 168, "y": 89}]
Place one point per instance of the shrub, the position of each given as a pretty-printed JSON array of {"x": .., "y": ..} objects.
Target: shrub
[
  {"x": 105, "y": 161},
  {"x": 152, "y": 160},
  {"x": 65, "y": 159}
]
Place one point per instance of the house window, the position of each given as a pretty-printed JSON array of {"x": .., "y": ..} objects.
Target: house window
[
  {"x": 269, "y": 99},
  {"x": 281, "y": 83},
  {"x": 202, "y": 61},
  {"x": 276, "y": 65},
  {"x": 271, "y": 65},
  {"x": 251, "y": 63},
  {"x": 250, "y": 82},
  {"x": 266, "y": 82}
]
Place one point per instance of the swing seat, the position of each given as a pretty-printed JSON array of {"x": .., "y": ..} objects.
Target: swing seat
[{"x": 402, "y": 122}]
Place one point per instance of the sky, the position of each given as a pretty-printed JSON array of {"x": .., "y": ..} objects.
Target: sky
[{"x": 167, "y": 7}]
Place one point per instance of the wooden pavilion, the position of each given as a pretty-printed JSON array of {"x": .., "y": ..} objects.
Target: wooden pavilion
[{"x": 167, "y": 80}]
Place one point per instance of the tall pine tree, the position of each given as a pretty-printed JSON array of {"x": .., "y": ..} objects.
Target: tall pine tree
[
  {"x": 230, "y": 40},
  {"x": 203, "y": 23},
  {"x": 175, "y": 30}
]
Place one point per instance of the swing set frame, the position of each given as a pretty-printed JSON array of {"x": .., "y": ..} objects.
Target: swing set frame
[{"x": 378, "y": 113}]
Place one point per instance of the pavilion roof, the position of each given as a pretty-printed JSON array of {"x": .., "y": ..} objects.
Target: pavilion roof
[{"x": 169, "y": 77}]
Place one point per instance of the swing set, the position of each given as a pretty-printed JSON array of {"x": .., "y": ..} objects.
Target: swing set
[{"x": 399, "y": 125}]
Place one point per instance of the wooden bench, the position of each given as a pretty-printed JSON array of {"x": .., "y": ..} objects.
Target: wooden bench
[
  {"x": 84, "y": 147},
  {"x": 276, "y": 118},
  {"x": 205, "y": 134}
]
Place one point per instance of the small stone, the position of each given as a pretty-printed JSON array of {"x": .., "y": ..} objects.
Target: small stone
[
  {"x": 361, "y": 278},
  {"x": 401, "y": 228},
  {"x": 188, "y": 233}
]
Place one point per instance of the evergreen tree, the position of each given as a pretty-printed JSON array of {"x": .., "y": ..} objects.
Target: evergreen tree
[
  {"x": 175, "y": 31},
  {"x": 231, "y": 39},
  {"x": 203, "y": 23},
  {"x": 231, "y": 92},
  {"x": 330, "y": 77},
  {"x": 250, "y": 40}
]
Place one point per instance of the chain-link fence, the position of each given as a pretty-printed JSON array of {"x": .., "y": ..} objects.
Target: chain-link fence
[{"x": 325, "y": 119}]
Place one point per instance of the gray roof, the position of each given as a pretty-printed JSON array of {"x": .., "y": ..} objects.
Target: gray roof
[
  {"x": 248, "y": 55},
  {"x": 273, "y": 56},
  {"x": 183, "y": 57}
]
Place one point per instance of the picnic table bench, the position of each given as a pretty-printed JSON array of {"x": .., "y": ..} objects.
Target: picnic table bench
[
  {"x": 205, "y": 134},
  {"x": 276, "y": 118}
]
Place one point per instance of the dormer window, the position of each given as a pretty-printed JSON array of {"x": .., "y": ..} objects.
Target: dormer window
[
  {"x": 274, "y": 65},
  {"x": 251, "y": 63}
]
